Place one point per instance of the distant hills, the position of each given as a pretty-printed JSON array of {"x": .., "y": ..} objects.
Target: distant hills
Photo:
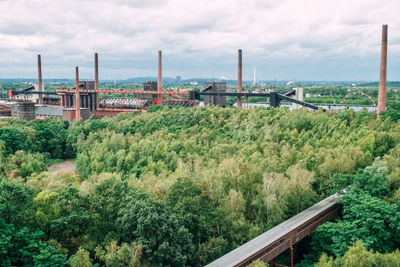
[{"x": 200, "y": 81}]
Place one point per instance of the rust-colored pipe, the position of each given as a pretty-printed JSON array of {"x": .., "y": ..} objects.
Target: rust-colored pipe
[
  {"x": 40, "y": 82},
  {"x": 383, "y": 70},
  {"x": 96, "y": 78},
  {"x": 239, "y": 81},
  {"x": 77, "y": 96}
]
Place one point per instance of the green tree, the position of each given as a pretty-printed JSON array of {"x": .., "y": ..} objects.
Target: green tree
[
  {"x": 365, "y": 218},
  {"x": 47, "y": 209},
  {"x": 165, "y": 241},
  {"x": 17, "y": 199},
  {"x": 80, "y": 259},
  {"x": 120, "y": 256},
  {"x": 358, "y": 256},
  {"x": 194, "y": 207},
  {"x": 20, "y": 247},
  {"x": 14, "y": 140},
  {"x": 105, "y": 204},
  {"x": 73, "y": 221}
]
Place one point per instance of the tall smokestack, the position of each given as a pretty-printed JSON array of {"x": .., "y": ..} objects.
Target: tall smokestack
[
  {"x": 77, "y": 96},
  {"x": 382, "y": 78},
  {"x": 159, "y": 84},
  {"x": 40, "y": 82},
  {"x": 96, "y": 78},
  {"x": 239, "y": 81},
  {"x": 159, "y": 70}
]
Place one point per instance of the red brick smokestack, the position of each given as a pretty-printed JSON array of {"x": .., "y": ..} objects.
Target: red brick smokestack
[
  {"x": 40, "y": 82},
  {"x": 96, "y": 78},
  {"x": 160, "y": 85},
  {"x": 77, "y": 96},
  {"x": 382, "y": 78},
  {"x": 160, "y": 71},
  {"x": 239, "y": 80}
]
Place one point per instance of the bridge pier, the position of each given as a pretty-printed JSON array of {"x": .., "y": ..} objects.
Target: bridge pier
[{"x": 291, "y": 249}]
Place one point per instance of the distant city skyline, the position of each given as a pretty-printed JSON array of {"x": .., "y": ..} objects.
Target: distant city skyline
[{"x": 285, "y": 40}]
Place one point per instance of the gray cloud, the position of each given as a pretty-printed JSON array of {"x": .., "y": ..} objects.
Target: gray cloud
[{"x": 199, "y": 38}]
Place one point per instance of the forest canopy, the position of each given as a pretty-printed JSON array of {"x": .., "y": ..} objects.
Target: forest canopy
[{"x": 178, "y": 187}]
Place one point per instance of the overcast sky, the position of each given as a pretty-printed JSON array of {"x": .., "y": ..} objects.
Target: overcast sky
[{"x": 284, "y": 39}]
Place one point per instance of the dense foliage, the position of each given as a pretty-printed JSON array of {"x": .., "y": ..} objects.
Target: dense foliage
[
  {"x": 184, "y": 186},
  {"x": 371, "y": 215}
]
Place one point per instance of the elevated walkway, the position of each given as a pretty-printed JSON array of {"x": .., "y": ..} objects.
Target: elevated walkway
[{"x": 270, "y": 244}]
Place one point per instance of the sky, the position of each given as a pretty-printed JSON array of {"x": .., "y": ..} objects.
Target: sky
[{"x": 284, "y": 39}]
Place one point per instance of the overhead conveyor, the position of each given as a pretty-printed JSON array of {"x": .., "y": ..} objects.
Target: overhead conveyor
[{"x": 270, "y": 244}]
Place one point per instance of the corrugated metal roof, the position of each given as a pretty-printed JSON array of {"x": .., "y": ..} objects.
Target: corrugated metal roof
[{"x": 48, "y": 111}]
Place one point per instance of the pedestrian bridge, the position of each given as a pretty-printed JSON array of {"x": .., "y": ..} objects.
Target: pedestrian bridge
[{"x": 270, "y": 244}]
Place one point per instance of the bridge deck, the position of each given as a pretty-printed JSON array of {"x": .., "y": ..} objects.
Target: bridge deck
[{"x": 278, "y": 239}]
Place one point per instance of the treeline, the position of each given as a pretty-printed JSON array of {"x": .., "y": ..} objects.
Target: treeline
[{"x": 178, "y": 187}]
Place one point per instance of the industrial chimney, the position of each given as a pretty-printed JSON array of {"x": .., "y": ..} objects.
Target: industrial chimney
[
  {"x": 383, "y": 70},
  {"x": 159, "y": 71},
  {"x": 77, "y": 96},
  {"x": 96, "y": 78},
  {"x": 239, "y": 80},
  {"x": 40, "y": 82},
  {"x": 159, "y": 84}
]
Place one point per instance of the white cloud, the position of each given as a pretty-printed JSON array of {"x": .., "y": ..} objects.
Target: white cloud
[{"x": 199, "y": 38}]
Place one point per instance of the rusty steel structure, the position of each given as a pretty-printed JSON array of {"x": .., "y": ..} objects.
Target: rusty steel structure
[
  {"x": 383, "y": 71},
  {"x": 40, "y": 82},
  {"x": 171, "y": 93},
  {"x": 269, "y": 245},
  {"x": 239, "y": 79},
  {"x": 86, "y": 95},
  {"x": 353, "y": 93}
]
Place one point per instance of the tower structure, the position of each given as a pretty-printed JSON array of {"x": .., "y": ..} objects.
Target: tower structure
[{"x": 383, "y": 70}]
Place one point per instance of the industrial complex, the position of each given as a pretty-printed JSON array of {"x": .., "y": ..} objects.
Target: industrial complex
[{"x": 86, "y": 99}]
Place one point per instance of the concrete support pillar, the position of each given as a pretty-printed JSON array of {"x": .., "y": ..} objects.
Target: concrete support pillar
[
  {"x": 383, "y": 70},
  {"x": 298, "y": 96},
  {"x": 239, "y": 80}
]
